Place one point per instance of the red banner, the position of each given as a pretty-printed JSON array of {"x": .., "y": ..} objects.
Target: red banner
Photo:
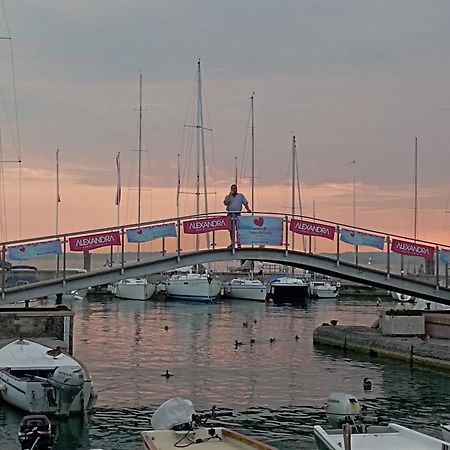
[
  {"x": 91, "y": 241},
  {"x": 312, "y": 228},
  {"x": 412, "y": 249},
  {"x": 206, "y": 225}
]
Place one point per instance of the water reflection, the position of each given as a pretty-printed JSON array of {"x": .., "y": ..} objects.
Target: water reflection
[{"x": 278, "y": 390}]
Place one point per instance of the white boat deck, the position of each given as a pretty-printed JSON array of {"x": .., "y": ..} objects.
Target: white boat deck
[
  {"x": 165, "y": 440},
  {"x": 392, "y": 437}
]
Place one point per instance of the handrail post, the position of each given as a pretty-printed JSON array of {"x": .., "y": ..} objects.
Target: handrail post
[
  {"x": 213, "y": 244},
  {"x": 163, "y": 249},
  {"x": 3, "y": 270},
  {"x": 122, "y": 251},
  {"x": 338, "y": 250},
  {"x": 437, "y": 267},
  {"x": 388, "y": 256},
  {"x": 64, "y": 259},
  {"x": 178, "y": 240},
  {"x": 286, "y": 235}
]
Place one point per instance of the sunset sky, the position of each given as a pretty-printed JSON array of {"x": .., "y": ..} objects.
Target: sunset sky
[{"x": 352, "y": 80}]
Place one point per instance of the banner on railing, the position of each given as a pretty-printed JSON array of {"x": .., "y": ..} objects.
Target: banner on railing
[
  {"x": 359, "y": 238},
  {"x": 412, "y": 249},
  {"x": 151, "y": 233},
  {"x": 206, "y": 225},
  {"x": 312, "y": 228},
  {"x": 92, "y": 241},
  {"x": 444, "y": 256},
  {"x": 35, "y": 250},
  {"x": 255, "y": 230}
]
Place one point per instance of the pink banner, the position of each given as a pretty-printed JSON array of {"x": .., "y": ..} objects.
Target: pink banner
[
  {"x": 412, "y": 249},
  {"x": 312, "y": 228},
  {"x": 206, "y": 225},
  {"x": 91, "y": 241}
]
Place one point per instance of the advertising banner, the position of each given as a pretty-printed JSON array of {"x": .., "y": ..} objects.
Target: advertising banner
[
  {"x": 312, "y": 228},
  {"x": 206, "y": 225},
  {"x": 35, "y": 250},
  {"x": 359, "y": 238},
  {"x": 92, "y": 241},
  {"x": 412, "y": 249},
  {"x": 444, "y": 256},
  {"x": 145, "y": 234},
  {"x": 256, "y": 230}
]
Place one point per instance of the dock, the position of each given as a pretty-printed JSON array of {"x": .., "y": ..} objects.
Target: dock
[{"x": 419, "y": 350}]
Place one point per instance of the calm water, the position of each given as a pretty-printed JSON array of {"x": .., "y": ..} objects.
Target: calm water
[{"x": 278, "y": 391}]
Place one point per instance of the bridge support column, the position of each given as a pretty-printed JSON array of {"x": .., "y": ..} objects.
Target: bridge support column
[{"x": 87, "y": 260}]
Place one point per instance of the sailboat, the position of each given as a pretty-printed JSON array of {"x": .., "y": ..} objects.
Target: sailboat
[
  {"x": 136, "y": 288},
  {"x": 240, "y": 287},
  {"x": 283, "y": 288},
  {"x": 194, "y": 284}
]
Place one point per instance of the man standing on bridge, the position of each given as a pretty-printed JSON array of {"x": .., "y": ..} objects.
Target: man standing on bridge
[{"x": 234, "y": 202}]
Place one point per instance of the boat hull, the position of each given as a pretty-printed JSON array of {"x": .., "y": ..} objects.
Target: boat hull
[
  {"x": 193, "y": 288},
  {"x": 132, "y": 289},
  {"x": 246, "y": 289},
  {"x": 285, "y": 293},
  {"x": 33, "y": 397}
]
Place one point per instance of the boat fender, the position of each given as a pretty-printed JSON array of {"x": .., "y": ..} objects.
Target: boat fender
[{"x": 3, "y": 387}]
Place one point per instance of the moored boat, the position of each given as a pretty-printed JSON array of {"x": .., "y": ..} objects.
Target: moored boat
[
  {"x": 353, "y": 429},
  {"x": 134, "y": 289},
  {"x": 323, "y": 289},
  {"x": 445, "y": 432},
  {"x": 285, "y": 289},
  {"x": 176, "y": 424},
  {"x": 42, "y": 380},
  {"x": 247, "y": 289},
  {"x": 193, "y": 286}
]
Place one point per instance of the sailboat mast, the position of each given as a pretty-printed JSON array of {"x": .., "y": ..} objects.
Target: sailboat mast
[
  {"x": 252, "y": 99},
  {"x": 235, "y": 171},
  {"x": 140, "y": 151},
  {"x": 178, "y": 185},
  {"x": 415, "y": 190},
  {"x": 294, "y": 159}
]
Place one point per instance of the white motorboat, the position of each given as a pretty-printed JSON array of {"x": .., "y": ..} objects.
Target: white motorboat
[
  {"x": 134, "y": 289},
  {"x": 354, "y": 430},
  {"x": 445, "y": 432},
  {"x": 176, "y": 424},
  {"x": 323, "y": 289},
  {"x": 193, "y": 286},
  {"x": 285, "y": 289},
  {"x": 376, "y": 437},
  {"x": 246, "y": 288},
  {"x": 39, "y": 379}
]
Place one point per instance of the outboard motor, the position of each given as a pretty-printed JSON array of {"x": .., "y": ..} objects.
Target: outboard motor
[
  {"x": 36, "y": 433},
  {"x": 174, "y": 414},
  {"x": 68, "y": 382},
  {"x": 342, "y": 408}
]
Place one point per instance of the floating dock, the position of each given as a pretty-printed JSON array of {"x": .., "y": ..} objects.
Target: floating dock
[{"x": 423, "y": 351}]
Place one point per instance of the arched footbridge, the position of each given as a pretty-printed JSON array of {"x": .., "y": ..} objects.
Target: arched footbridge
[{"x": 396, "y": 263}]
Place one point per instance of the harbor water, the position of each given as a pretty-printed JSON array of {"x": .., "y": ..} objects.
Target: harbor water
[{"x": 277, "y": 389}]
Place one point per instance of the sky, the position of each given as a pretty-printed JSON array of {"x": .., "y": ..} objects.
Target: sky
[{"x": 353, "y": 81}]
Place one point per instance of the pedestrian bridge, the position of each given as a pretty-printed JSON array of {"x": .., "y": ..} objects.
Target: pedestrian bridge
[{"x": 370, "y": 257}]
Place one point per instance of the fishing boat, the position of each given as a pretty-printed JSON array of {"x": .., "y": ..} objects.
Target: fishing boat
[
  {"x": 287, "y": 289},
  {"x": 246, "y": 288},
  {"x": 176, "y": 424},
  {"x": 355, "y": 430},
  {"x": 44, "y": 380}
]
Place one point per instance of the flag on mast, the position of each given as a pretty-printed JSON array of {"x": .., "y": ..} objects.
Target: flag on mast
[
  {"x": 58, "y": 197},
  {"x": 119, "y": 186}
]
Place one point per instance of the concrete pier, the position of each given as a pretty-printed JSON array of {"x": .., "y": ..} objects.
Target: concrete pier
[
  {"x": 423, "y": 351},
  {"x": 50, "y": 326}
]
